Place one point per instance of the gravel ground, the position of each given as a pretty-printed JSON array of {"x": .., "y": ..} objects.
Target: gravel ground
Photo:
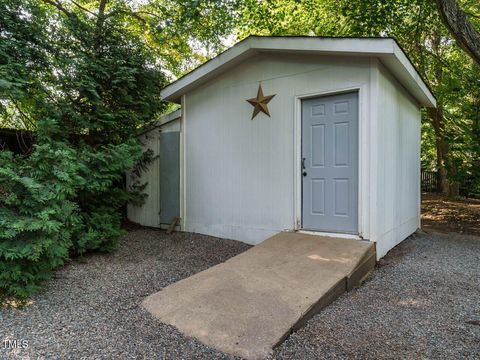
[
  {"x": 91, "y": 310},
  {"x": 417, "y": 304}
]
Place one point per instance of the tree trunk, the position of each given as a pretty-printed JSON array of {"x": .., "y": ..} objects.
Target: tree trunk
[
  {"x": 436, "y": 119},
  {"x": 445, "y": 167},
  {"x": 101, "y": 14},
  {"x": 446, "y": 170},
  {"x": 460, "y": 27}
]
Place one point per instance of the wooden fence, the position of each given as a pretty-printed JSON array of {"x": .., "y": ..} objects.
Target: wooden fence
[{"x": 428, "y": 180}]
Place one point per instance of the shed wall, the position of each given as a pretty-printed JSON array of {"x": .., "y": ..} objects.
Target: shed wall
[
  {"x": 398, "y": 164},
  {"x": 239, "y": 174},
  {"x": 149, "y": 213}
]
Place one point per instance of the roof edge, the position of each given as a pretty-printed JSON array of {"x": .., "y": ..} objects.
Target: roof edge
[
  {"x": 164, "y": 119},
  {"x": 387, "y": 49}
]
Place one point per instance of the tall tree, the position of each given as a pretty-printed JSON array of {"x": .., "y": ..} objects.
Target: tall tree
[{"x": 457, "y": 21}]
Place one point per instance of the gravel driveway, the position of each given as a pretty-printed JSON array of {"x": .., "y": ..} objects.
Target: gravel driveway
[{"x": 417, "y": 304}]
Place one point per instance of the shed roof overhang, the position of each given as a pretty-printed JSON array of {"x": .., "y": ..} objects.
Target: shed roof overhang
[{"x": 385, "y": 49}]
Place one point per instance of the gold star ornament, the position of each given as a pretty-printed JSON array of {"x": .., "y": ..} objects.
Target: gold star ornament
[{"x": 260, "y": 102}]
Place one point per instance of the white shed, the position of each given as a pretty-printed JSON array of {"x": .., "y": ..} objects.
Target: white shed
[{"x": 336, "y": 150}]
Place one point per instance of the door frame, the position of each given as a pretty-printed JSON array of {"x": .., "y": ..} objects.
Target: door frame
[{"x": 363, "y": 150}]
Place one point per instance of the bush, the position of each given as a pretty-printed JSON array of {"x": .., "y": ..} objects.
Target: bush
[
  {"x": 37, "y": 216},
  {"x": 101, "y": 195},
  {"x": 84, "y": 85},
  {"x": 41, "y": 220}
]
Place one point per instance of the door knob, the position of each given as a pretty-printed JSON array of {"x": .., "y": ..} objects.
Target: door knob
[{"x": 304, "y": 173}]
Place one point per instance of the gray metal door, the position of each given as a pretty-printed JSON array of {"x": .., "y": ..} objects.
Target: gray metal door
[
  {"x": 169, "y": 176},
  {"x": 330, "y": 163}
]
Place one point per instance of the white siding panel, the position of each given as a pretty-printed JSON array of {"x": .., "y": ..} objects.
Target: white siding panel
[
  {"x": 171, "y": 126},
  {"x": 148, "y": 213},
  {"x": 398, "y": 190},
  {"x": 240, "y": 172}
]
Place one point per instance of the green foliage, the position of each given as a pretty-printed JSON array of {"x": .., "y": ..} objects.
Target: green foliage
[
  {"x": 100, "y": 195},
  {"x": 289, "y": 17},
  {"x": 85, "y": 83},
  {"x": 428, "y": 152},
  {"x": 184, "y": 33},
  {"x": 37, "y": 217}
]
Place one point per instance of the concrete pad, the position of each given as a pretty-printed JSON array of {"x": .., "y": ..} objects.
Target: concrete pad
[{"x": 250, "y": 303}]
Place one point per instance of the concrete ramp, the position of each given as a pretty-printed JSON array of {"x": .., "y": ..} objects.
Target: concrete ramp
[{"x": 253, "y": 301}]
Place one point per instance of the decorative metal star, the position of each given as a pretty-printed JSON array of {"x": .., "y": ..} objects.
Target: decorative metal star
[{"x": 260, "y": 102}]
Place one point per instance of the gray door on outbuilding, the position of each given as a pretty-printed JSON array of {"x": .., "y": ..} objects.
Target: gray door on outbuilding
[
  {"x": 169, "y": 176},
  {"x": 330, "y": 163}
]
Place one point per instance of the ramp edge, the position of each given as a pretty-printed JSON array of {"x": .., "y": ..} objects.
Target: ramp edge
[{"x": 358, "y": 275}]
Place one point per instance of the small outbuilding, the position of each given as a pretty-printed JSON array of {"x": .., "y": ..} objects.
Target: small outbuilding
[{"x": 292, "y": 134}]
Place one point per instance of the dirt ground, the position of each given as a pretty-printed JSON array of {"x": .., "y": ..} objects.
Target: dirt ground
[{"x": 444, "y": 215}]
